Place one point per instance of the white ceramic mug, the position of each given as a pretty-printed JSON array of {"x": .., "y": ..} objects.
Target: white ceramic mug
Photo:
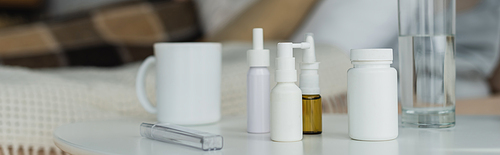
[{"x": 188, "y": 79}]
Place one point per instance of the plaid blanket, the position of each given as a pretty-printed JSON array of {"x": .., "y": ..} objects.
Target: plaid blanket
[{"x": 108, "y": 36}]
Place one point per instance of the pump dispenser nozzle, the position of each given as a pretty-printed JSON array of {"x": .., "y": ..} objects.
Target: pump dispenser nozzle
[
  {"x": 285, "y": 62},
  {"x": 309, "y": 78}
]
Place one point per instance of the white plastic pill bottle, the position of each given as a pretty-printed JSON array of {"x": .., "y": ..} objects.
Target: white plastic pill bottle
[{"x": 372, "y": 95}]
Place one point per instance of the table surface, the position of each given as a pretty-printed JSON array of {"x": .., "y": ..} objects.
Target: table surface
[{"x": 471, "y": 135}]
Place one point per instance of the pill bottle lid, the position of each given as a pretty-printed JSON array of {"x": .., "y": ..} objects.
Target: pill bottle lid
[{"x": 379, "y": 54}]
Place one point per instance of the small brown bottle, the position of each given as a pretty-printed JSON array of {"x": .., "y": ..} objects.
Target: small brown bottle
[
  {"x": 309, "y": 84},
  {"x": 311, "y": 114}
]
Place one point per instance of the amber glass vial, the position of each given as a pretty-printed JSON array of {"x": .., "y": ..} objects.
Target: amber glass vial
[{"x": 311, "y": 114}]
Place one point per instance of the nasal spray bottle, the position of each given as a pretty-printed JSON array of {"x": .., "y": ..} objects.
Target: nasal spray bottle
[
  {"x": 309, "y": 84},
  {"x": 258, "y": 86},
  {"x": 286, "y": 102}
]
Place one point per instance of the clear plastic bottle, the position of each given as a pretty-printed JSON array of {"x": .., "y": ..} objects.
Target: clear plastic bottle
[{"x": 372, "y": 95}]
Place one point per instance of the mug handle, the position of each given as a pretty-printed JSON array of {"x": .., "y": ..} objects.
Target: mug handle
[{"x": 140, "y": 85}]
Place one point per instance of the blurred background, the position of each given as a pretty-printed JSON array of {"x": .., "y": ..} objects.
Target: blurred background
[{"x": 66, "y": 61}]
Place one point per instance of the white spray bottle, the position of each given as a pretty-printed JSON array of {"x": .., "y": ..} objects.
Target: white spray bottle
[
  {"x": 258, "y": 88},
  {"x": 286, "y": 96}
]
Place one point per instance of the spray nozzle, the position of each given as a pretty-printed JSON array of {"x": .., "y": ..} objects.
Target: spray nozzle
[
  {"x": 286, "y": 49},
  {"x": 258, "y": 56},
  {"x": 302, "y": 45},
  {"x": 309, "y": 55},
  {"x": 285, "y": 62},
  {"x": 258, "y": 39},
  {"x": 309, "y": 78}
]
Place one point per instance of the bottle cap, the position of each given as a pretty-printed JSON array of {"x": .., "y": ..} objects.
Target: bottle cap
[
  {"x": 258, "y": 56},
  {"x": 379, "y": 54}
]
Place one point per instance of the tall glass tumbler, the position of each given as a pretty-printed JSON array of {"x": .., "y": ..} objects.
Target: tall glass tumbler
[{"x": 427, "y": 63}]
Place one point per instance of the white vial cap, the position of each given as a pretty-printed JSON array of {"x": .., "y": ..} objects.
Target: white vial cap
[{"x": 379, "y": 54}]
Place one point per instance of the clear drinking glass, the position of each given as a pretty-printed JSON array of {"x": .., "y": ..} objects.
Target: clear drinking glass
[{"x": 427, "y": 62}]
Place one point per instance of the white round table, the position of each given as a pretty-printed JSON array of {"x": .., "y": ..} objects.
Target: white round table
[{"x": 472, "y": 135}]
